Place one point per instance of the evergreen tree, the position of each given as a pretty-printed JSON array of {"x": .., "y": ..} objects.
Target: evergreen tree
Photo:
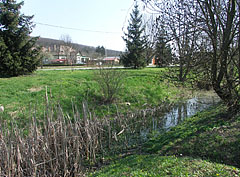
[
  {"x": 135, "y": 42},
  {"x": 163, "y": 51},
  {"x": 100, "y": 50},
  {"x": 18, "y": 54}
]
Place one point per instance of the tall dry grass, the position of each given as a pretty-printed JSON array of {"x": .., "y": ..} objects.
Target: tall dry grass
[{"x": 62, "y": 146}]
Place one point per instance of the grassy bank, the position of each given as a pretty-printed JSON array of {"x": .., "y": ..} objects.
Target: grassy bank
[
  {"x": 203, "y": 145},
  {"x": 154, "y": 165},
  {"x": 208, "y": 135}
]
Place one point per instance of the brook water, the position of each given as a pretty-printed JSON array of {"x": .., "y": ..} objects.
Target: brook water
[{"x": 178, "y": 113}]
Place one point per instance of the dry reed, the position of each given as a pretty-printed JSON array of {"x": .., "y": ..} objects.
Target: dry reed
[{"x": 62, "y": 146}]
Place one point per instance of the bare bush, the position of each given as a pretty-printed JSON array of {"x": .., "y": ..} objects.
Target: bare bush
[{"x": 110, "y": 82}]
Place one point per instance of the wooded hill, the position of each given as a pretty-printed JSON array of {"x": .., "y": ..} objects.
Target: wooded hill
[{"x": 84, "y": 49}]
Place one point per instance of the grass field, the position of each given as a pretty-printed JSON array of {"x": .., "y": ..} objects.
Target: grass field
[
  {"x": 203, "y": 145},
  {"x": 140, "y": 88}
]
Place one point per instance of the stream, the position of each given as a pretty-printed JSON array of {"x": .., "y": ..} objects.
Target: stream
[{"x": 178, "y": 113}]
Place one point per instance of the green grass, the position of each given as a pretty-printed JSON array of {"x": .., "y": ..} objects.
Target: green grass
[
  {"x": 206, "y": 144},
  {"x": 154, "y": 165},
  {"x": 208, "y": 135},
  {"x": 141, "y": 87}
]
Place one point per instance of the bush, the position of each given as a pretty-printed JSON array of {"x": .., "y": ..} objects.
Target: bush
[{"x": 110, "y": 83}]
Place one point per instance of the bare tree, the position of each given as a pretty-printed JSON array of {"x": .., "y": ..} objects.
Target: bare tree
[
  {"x": 150, "y": 33},
  {"x": 178, "y": 18},
  {"x": 67, "y": 46},
  {"x": 221, "y": 23},
  {"x": 210, "y": 29}
]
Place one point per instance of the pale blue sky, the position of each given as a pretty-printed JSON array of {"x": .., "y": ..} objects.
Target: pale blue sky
[{"x": 92, "y": 15}]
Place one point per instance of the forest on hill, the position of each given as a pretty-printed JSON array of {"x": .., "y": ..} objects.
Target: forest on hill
[{"x": 85, "y": 50}]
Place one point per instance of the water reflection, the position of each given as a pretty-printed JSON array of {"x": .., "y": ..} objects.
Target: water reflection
[{"x": 177, "y": 114}]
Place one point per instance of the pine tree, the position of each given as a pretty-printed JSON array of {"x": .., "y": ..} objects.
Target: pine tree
[
  {"x": 135, "y": 42},
  {"x": 18, "y": 54},
  {"x": 163, "y": 51},
  {"x": 100, "y": 51}
]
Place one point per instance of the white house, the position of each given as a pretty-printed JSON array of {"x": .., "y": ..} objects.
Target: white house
[{"x": 81, "y": 59}]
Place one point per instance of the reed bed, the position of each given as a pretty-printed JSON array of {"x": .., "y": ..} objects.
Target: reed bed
[{"x": 60, "y": 145}]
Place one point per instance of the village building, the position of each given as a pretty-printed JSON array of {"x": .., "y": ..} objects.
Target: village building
[
  {"x": 111, "y": 60},
  {"x": 62, "y": 54}
]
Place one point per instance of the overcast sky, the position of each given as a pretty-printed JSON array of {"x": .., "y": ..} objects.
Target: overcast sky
[{"x": 93, "y": 22}]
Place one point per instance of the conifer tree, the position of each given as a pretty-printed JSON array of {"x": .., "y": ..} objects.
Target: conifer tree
[
  {"x": 135, "y": 42},
  {"x": 163, "y": 51},
  {"x": 18, "y": 54}
]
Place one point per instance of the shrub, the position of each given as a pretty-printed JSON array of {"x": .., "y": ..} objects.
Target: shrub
[{"x": 110, "y": 82}]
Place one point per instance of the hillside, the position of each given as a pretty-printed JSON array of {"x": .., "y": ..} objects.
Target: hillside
[{"x": 84, "y": 49}]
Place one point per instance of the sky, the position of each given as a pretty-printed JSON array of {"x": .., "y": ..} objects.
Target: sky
[{"x": 92, "y": 22}]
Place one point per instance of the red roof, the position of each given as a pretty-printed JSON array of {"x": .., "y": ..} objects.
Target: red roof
[
  {"x": 58, "y": 60},
  {"x": 111, "y": 58}
]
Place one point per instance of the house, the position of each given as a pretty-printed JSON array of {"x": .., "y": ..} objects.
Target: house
[
  {"x": 153, "y": 61},
  {"x": 111, "y": 60},
  {"x": 60, "y": 54},
  {"x": 59, "y": 61},
  {"x": 81, "y": 59}
]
